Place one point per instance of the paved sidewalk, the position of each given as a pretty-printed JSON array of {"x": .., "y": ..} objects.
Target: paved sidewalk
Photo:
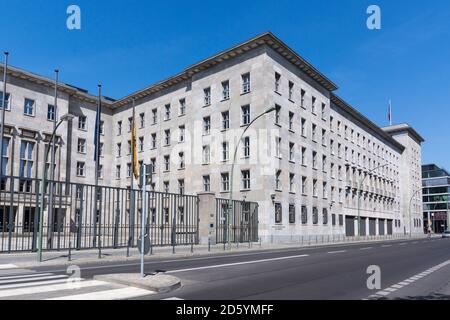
[{"x": 29, "y": 260}]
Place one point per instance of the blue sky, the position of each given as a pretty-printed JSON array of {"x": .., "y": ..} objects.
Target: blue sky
[{"x": 128, "y": 45}]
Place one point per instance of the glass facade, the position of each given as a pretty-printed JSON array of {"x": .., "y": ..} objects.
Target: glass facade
[{"x": 436, "y": 198}]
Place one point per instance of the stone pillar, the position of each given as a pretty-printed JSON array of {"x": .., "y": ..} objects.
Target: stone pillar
[
  {"x": 377, "y": 227},
  {"x": 207, "y": 217}
]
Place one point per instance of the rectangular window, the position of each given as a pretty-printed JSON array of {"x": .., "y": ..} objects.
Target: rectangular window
[
  {"x": 155, "y": 116},
  {"x": 302, "y": 98},
  {"x": 225, "y": 151},
  {"x": 7, "y": 100},
  {"x": 291, "y": 213},
  {"x": 225, "y": 90},
  {"x": 291, "y": 151},
  {"x": 153, "y": 141},
  {"x": 81, "y": 146},
  {"x": 225, "y": 181},
  {"x": 167, "y": 137},
  {"x": 324, "y": 190},
  {"x": 207, "y": 96},
  {"x": 291, "y": 182},
  {"x": 304, "y": 185},
  {"x": 167, "y": 163},
  {"x": 181, "y": 186},
  {"x": 82, "y": 123},
  {"x": 141, "y": 144},
  {"x": 303, "y": 156},
  {"x": 246, "y": 115},
  {"x": 182, "y": 107},
  {"x": 314, "y": 159},
  {"x": 324, "y": 137},
  {"x": 245, "y": 179},
  {"x": 166, "y": 186},
  {"x": 304, "y": 215},
  {"x": 28, "y": 107},
  {"x": 324, "y": 163},
  {"x": 117, "y": 172},
  {"x": 246, "y": 83},
  {"x": 81, "y": 169},
  {"x": 206, "y": 183},
  {"x": 206, "y": 155},
  {"x": 315, "y": 190},
  {"x": 51, "y": 114},
  {"x": 130, "y": 124},
  {"x": 182, "y": 161},
  {"x": 314, "y": 132},
  {"x": 182, "y": 132},
  {"x": 5, "y": 158},
  {"x": 225, "y": 120},
  {"x": 246, "y": 147},
  {"x": 278, "y": 180},
  {"x": 119, "y": 128},
  {"x": 277, "y": 114},
  {"x": 142, "y": 120},
  {"x": 128, "y": 170},
  {"x": 324, "y": 108},
  {"x": 291, "y": 90},
  {"x": 278, "y": 213},
  {"x": 100, "y": 171},
  {"x": 26, "y": 159},
  {"x": 303, "y": 128},
  {"x": 313, "y": 105},
  {"x": 291, "y": 121},
  {"x": 278, "y": 147},
  {"x": 277, "y": 82},
  {"x": 206, "y": 125},
  {"x": 168, "y": 112}
]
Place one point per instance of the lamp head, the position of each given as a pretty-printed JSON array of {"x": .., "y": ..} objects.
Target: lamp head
[{"x": 67, "y": 117}]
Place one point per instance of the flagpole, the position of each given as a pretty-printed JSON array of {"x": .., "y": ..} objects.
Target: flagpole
[
  {"x": 390, "y": 112},
  {"x": 52, "y": 166},
  {"x": 97, "y": 165},
  {"x": 132, "y": 194},
  {"x": 5, "y": 71}
]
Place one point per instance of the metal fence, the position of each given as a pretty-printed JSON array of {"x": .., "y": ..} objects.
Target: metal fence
[
  {"x": 85, "y": 216},
  {"x": 243, "y": 221}
]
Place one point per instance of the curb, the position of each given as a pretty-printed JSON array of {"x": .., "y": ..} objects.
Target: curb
[{"x": 159, "y": 283}]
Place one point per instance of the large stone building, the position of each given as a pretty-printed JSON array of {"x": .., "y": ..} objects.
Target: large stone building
[{"x": 304, "y": 163}]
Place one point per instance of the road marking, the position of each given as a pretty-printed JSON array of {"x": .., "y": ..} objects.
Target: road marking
[
  {"x": 114, "y": 294},
  {"x": 173, "y": 298},
  {"x": 403, "y": 244},
  {"x": 408, "y": 281},
  {"x": 31, "y": 279},
  {"x": 7, "y": 266},
  {"x": 25, "y": 276},
  {"x": 387, "y": 246},
  {"x": 237, "y": 263},
  {"x": 31, "y": 284},
  {"x": 340, "y": 251},
  {"x": 50, "y": 288},
  {"x": 368, "y": 248}
]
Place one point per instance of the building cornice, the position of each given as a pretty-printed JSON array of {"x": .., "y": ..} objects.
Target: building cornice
[
  {"x": 403, "y": 127},
  {"x": 72, "y": 91},
  {"x": 266, "y": 38},
  {"x": 365, "y": 121}
]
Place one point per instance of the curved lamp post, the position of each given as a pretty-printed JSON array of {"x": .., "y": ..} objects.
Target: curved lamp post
[
  {"x": 230, "y": 203},
  {"x": 66, "y": 117},
  {"x": 359, "y": 196}
]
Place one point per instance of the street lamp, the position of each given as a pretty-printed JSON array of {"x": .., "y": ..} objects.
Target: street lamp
[
  {"x": 359, "y": 196},
  {"x": 66, "y": 117},
  {"x": 410, "y": 203},
  {"x": 230, "y": 204}
]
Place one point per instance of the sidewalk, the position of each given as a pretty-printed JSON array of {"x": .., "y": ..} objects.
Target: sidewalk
[{"x": 52, "y": 258}]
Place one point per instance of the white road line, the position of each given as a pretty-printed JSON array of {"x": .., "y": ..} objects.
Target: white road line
[
  {"x": 368, "y": 248},
  {"x": 50, "y": 288},
  {"x": 25, "y": 276},
  {"x": 237, "y": 263},
  {"x": 410, "y": 280},
  {"x": 340, "y": 251},
  {"x": 173, "y": 298},
  {"x": 31, "y": 279},
  {"x": 403, "y": 244},
  {"x": 31, "y": 284},
  {"x": 114, "y": 294},
  {"x": 7, "y": 266},
  {"x": 386, "y": 246}
]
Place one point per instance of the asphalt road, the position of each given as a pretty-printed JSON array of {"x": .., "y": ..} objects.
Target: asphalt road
[{"x": 331, "y": 272}]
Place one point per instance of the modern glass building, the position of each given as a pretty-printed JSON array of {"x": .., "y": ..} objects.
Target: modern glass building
[{"x": 436, "y": 198}]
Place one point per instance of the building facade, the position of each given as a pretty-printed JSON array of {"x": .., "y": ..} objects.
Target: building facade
[
  {"x": 314, "y": 164},
  {"x": 436, "y": 198}
]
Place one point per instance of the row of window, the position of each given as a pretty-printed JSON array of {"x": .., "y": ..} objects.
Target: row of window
[
  {"x": 304, "y": 215},
  {"x": 29, "y": 106}
]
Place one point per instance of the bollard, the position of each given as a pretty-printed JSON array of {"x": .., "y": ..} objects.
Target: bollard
[
  {"x": 99, "y": 248},
  {"x": 192, "y": 244},
  {"x": 128, "y": 247},
  {"x": 209, "y": 244},
  {"x": 260, "y": 242}
]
